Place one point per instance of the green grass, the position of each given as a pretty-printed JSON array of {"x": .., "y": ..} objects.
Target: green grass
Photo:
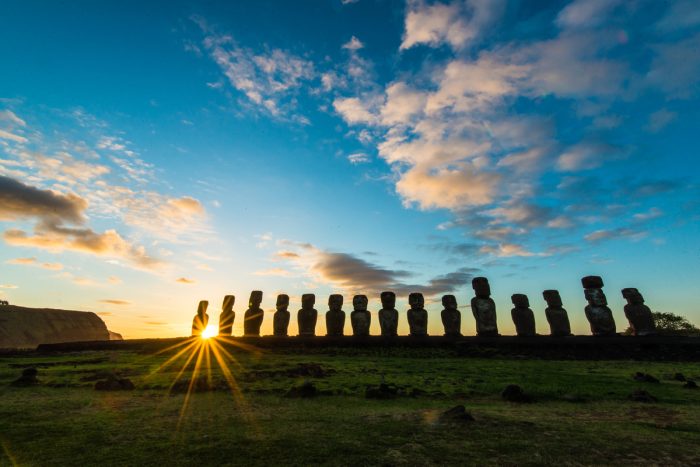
[{"x": 63, "y": 421}]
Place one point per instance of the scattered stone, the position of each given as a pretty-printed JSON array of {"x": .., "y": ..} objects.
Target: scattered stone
[
  {"x": 484, "y": 308},
  {"x": 690, "y": 384},
  {"x": 360, "y": 318},
  {"x": 451, "y": 317},
  {"x": 305, "y": 391},
  {"x": 597, "y": 312},
  {"x": 227, "y": 316},
  {"x": 638, "y": 314},
  {"x": 253, "y": 318},
  {"x": 307, "y": 316},
  {"x": 388, "y": 315},
  {"x": 280, "y": 321},
  {"x": 417, "y": 315},
  {"x": 557, "y": 317},
  {"x": 679, "y": 377},
  {"x": 113, "y": 383},
  {"x": 523, "y": 317},
  {"x": 644, "y": 378},
  {"x": 642, "y": 396},
  {"x": 383, "y": 391},
  {"x": 514, "y": 393},
  {"x": 28, "y": 378},
  {"x": 457, "y": 413}
]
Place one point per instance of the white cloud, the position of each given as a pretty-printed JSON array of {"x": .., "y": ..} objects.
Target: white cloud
[
  {"x": 586, "y": 13},
  {"x": 353, "y": 110},
  {"x": 13, "y": 137},
  {"x": 358, "y": 158},
  {"x": 353, "y": 44}
]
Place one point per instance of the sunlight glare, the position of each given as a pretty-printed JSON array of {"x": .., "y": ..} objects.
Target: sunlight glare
[{"x": 209, "y": 331}]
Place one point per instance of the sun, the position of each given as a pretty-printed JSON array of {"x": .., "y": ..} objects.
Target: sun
[{"x": 209, "y": 331}]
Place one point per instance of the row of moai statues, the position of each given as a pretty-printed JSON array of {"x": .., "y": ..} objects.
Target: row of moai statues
[{"x": 483, "y": 308}]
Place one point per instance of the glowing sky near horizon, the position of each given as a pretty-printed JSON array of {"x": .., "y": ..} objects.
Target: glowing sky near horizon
[{"x": 154, "y": 154}]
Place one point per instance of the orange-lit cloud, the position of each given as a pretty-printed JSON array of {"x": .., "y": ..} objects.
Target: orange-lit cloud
[
  {"x": 185, "y": 280},
  {"x": 110, "y": 301}
]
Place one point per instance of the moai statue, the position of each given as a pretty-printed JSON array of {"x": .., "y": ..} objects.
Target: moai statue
[
  {"x": 417, "y": 316},
  {"x": 638, "y": 314},
  {"x": 227, "y": 316},
  {"x": 597, "y": 311},
  {"x": 280, "y": 321},
  {"x": 388, "y": 315},
  {"x": 523, "y": 317},
  {"x": 484, "y": 308},
  {"x": 335, "y": 316},
  {"x": 451, "y": 317},
  {"x": 307, "y": 316},
  {"x": 557, "y": 317},
  {"x": 360, "y": 318},
  {"x": 201, "y": 319},
  {"x": 253, "y": 318}
]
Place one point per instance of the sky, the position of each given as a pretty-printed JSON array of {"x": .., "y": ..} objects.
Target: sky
[{"x": 154, "y": 154}]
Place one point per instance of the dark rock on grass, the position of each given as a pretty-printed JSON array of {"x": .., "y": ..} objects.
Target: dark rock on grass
[
  {"x": 28, "y": 378},
  {"x": 514, "y": 393},
  {"x": 642, "y": 396},
  {"x": 679, "y": 377},
  {"x": 383, "y": 391},
  {"x": 416, "y": 392},
  {"x": 644, "y": 378},
  {"x": 114, "y": 383},
  {"x": 306, "y": 390},
  {"x": 457, "y": 413},
  {"x": 690, "y": 384}
]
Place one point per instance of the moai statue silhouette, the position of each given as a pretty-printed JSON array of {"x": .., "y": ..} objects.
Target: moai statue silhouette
[
  {"x": 280, "y": 321},
  {"x": 307, "y": 316},
  {"x": 599, "y": 315},
  {"x": 417, "y": 316},
  {"x": 557, "y": 316},
  {"x": 484, "y": 308},
  {"x": 638, "y": 314},
  {"x": 360, "y": 318},
  {"x": 253, "y": 318},
  {"x": 523, "y": 317},
  {"x": 388, "y": 315},
  {"x": 451, "y": 317},
  {"x": 201, "y": 319},
  {"x": 227, "y": 316},
  {"x": 335, "y": 316}
]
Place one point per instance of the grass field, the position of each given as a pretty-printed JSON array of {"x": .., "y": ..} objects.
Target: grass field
[{"x": 581, "y": 413}]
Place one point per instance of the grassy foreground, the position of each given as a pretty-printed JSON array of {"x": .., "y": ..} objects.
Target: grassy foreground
[{"x": 581, "y": 413}]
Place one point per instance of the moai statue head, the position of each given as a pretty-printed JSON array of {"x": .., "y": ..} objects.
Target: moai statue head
[
  {"x": 595, "y": 297},
  {"x": 449, "y": 302},
  {"x": 335, "y": 302},
  {"x": 592, "y": 282},
  {"x": 229, "y": 301},
  {"x": 388, "y": 300},
  {"x": 552, "y": 298},
  {"x": 481, "y": 287},
  {"x": 633, "y": 296},
  {"x": 359, "y": 302},
  {"x": 308, "y": 300},
  {"x": 255, "y": 299},
  {"x": 416, "y": 300},
  {"x": 520, "y": 300},
  {"x": 202, "y": 308},
  {"x": 282, "y": 302}
]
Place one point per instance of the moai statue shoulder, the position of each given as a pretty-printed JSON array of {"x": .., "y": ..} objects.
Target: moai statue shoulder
[
  {"x": 280, "y": 321},
  {"x": 307, "y": 316},
  {"x": 335, "y": 316},
  {"x": 451, "y": 317},
  {"x": 360, "y": 318},
  {"x": 201, "y": 319},
  {"x": 523, "y": 317},
  {"x": 557, "y": 316},
  {"x": 638, "y": 314},
  {"x": 417, "y": 315},
  {"x": 227, "y": 316},
  {"x": 388, "y": 315},
  {"x": 484, "y": 308},
  {"x": 253, "y": 318},
  {"x": 597, "y": 312}
]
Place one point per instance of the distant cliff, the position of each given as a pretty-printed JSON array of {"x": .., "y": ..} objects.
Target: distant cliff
[{"x": 22, "y": 327}]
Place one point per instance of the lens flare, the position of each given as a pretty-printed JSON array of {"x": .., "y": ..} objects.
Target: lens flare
[{"x": 209, "y": 331}]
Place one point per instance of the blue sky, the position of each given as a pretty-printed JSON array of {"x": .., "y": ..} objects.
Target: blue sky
[{"x": 153, "y": 155}]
